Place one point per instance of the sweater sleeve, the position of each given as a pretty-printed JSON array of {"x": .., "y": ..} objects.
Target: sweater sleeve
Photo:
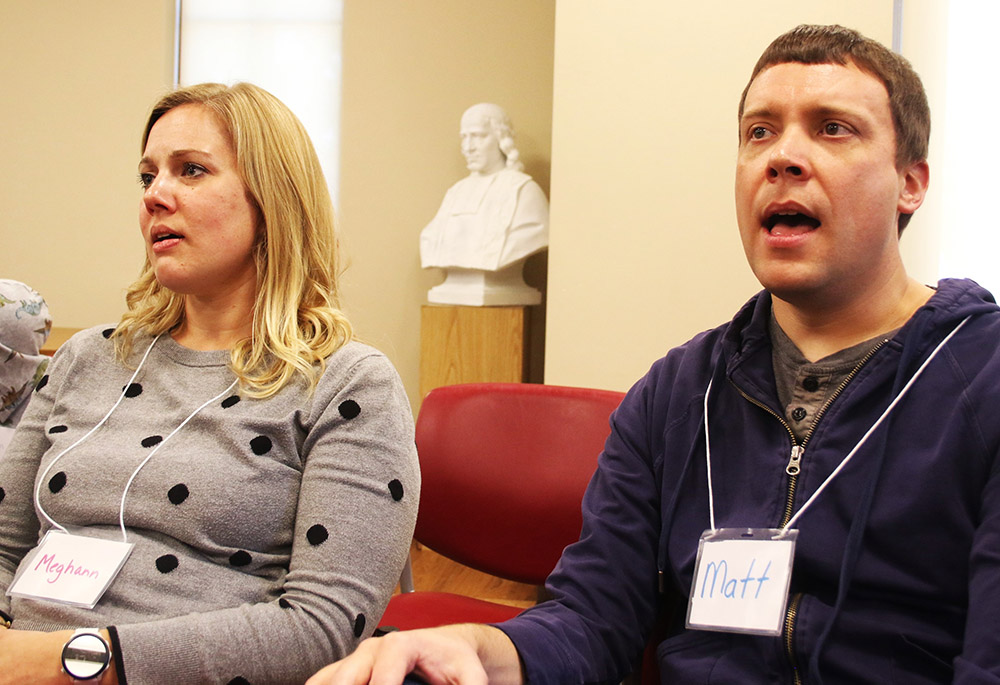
[
  {"x": 353, "y": 525},
  {"x": 604, "y": 587}
]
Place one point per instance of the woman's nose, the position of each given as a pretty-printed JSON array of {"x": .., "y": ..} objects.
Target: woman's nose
[{"x": 158, "y": 194}]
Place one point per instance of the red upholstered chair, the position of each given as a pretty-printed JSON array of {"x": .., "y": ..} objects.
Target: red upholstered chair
[{"x": 504, "y": 467}]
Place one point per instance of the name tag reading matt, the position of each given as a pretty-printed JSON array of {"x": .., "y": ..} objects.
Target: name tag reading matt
[
  {"x": 71, "y": 569},
  {"x": 741, "y": 580}
]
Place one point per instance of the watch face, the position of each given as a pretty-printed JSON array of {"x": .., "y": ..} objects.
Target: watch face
[{"x": 85, "y": 656}]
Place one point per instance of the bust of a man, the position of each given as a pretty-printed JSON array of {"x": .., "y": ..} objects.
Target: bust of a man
[{"x": 489, "y": 222}]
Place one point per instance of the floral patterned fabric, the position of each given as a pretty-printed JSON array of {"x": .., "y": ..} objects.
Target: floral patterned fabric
[{"x": 24, "y": 328}]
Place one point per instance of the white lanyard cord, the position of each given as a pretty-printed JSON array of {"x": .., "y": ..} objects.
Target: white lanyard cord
[
  {"x": 128, "y": 485},
  {"x": 121, "y": 511},
  {"x": 843, "y": 463},
  {"x": 708, "y": 464},
  {"x": 41, "y": 480}
]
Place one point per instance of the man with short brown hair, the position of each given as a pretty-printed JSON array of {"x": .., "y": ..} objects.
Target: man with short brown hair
[{"x": 819, "y": 477}]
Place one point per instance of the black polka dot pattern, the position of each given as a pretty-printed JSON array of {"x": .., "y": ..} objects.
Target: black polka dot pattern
[
  {"x": 230, "y": 401},
  {"x": 261, "y": 445},
  {"x": 239, "y": 680},
  {"x": 241, "y": 558},
  {"x": 107, "y": 332},
  {"x": 58, "y": 429},
  {"x": 42, "y": 383},
  {"x": 178, "y": 493},
  {"x": 2, "y": 494},
  {"x": 284, "y": 603},
  {"x": 166, "y": 563},
  {"x": 359, "y": 625},
  {"x": 57, "y": 482},
  {"x": 317, "y": 535},
  {"x": 133, "y": 390},
  {"x": 151, "y": 440},
  {"x": 396, "y": 489},
  {"x": 349, "y": 409}
]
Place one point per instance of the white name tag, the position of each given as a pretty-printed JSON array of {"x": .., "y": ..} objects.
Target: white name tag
[
  {"x": 71, "y": 569},
  {"x": 741, "y": 580}
]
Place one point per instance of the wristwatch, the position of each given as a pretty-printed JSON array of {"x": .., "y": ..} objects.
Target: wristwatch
[{"x": 86, "y": 655}]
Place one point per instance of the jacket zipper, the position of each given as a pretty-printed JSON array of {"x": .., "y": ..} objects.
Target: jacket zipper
[
  {"x": 790, "y": 615},
  {"x": 792, "y": 469},
  {"x": 794, "y": 462}
]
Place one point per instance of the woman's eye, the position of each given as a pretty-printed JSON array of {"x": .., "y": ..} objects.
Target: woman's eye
[
  {"x": 192, "y": 169},
  {"x": 145, "y": 180}
]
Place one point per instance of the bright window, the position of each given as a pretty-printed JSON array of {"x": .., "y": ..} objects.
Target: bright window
[
  {"x": 970, "y": 244},
  {"x": 291, "y": 48}
]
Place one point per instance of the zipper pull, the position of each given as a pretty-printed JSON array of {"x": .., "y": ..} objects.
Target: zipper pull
[{"x": 793, "y": 467}]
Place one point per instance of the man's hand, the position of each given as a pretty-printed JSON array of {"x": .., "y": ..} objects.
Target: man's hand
[{"x": 466, "y": 654}]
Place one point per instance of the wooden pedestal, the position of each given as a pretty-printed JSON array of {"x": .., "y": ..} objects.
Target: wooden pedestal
[{"x": 472, "y": 345}]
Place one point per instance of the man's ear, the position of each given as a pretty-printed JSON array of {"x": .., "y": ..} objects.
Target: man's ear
[{"x": 915, "y": 179}]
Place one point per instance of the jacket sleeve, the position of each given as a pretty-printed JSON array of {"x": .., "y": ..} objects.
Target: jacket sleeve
[
  {"x": 979, "y": 661},
  {"x": 604, "y": 588},
  {"x": 354, "y": 521}
]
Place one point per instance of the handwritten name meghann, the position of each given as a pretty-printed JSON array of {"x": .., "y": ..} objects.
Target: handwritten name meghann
[{"x": 55, "y": 570}]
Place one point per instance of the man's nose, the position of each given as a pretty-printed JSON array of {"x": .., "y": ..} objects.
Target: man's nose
[{"x": 790, "y": 157}]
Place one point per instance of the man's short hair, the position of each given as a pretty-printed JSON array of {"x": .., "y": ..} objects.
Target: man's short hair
[{"x": 911, "y": 116}]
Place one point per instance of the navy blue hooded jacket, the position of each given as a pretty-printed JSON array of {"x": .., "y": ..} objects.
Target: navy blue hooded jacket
[{"x": 896, "y": 576}]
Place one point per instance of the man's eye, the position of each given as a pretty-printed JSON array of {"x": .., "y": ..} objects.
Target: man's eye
[
  {"x": 758, "y": 132},
  {"x": 834, "y": 129}
]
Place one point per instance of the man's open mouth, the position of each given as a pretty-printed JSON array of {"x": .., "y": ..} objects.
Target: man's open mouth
[{"x": 794, "y": 222}]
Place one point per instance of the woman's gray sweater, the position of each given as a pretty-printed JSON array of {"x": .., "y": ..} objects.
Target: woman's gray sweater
[{"x": 269, "y": 534}]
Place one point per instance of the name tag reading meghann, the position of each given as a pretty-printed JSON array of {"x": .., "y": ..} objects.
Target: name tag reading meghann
[
  {"x": 71, "y": 569},
  {"x": 741, "y": 580}
]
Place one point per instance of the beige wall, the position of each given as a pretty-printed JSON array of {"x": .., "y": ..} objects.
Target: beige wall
[
  {"x": 644, "y": 250},
  {"x": 640, "y": 121},
  {"x": 78, "y": 78}
]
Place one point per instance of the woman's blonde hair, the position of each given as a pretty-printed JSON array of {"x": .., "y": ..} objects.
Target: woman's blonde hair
[{"x": 297, "y": 321}]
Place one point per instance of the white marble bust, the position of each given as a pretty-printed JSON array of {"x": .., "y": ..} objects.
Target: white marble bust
[{"x": 489, "y": 222}]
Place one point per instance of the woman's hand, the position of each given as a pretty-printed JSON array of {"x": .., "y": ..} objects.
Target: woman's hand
[{"x": 28, "y": 656}]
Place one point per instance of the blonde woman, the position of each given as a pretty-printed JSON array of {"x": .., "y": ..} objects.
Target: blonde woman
[{"x": 252, "y": 464}]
